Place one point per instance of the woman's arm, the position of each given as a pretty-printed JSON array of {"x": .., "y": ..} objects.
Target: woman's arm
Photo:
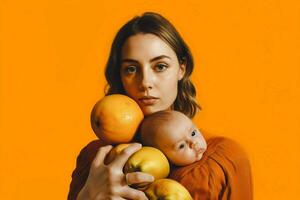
[{"x": 92, "y": 179}]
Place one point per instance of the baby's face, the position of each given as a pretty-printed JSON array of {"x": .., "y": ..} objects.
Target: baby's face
[{"x": 181, "y": 141}]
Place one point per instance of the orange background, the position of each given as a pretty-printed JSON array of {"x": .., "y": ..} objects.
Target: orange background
[{"x": 52, "y": 59}]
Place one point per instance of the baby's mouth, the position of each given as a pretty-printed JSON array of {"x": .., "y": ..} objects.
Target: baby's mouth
[{"x": 199, "y": 150}]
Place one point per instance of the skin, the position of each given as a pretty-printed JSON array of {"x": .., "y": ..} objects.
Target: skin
[
  {"x": 141, "y": 77},
  {"x": 178, "y": 138}
]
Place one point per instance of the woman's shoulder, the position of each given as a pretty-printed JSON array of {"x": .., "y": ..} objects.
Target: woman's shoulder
[
  {"x": 88, "y": 152},
  {"x": 95, "y": 144},
  {"x": 225, "y": 147},
  {"x": 222, "y": 141}
]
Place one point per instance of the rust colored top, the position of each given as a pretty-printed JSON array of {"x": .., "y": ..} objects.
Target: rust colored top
[{"x": 223, "y": 173}]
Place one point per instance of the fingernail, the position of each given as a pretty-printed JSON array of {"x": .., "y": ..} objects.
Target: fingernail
[
  {"x": 152, "y": 178},
  {"x": 138, "y": 144}
]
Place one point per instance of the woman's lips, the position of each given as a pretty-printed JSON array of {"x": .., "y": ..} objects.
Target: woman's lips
[{"x": 148, "y": 101}]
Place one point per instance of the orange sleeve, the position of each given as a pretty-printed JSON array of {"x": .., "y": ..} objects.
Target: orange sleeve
[{"x": 223, "y": 173}]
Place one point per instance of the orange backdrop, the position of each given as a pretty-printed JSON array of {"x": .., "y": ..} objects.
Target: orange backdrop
[{"x": 52, "y": 59}]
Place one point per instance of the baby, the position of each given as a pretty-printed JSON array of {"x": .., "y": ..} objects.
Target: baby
[{"x": 175, "y": 135}]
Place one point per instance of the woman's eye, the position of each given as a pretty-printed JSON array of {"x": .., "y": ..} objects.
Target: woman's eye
[
  {"x": 193, "y": 133},
  {"x": 130, "y": 69},
  {"x": 160, "y": 67}
]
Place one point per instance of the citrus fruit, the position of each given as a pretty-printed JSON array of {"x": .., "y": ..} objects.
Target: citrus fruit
[{"x": 115, "y": 118}]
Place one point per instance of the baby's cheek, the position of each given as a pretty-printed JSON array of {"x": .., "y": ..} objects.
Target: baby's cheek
[
  {"x": 177, "y": 158},
  {"x": 187, "y": 158}
]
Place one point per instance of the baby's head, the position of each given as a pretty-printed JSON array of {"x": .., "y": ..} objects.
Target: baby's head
[{"x": 175, "y": 135}]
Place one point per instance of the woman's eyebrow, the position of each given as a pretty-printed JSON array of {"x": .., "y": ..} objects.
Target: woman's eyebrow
[
  {"x": 159, "y": 57},
  {"x": 151, "y": 60},
  {"x": 129, "y": 60}
]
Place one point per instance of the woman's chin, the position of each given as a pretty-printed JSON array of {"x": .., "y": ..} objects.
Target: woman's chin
[{"x": 148, "y": 110}]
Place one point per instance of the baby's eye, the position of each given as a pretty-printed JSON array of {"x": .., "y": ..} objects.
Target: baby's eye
[
  {"x": 193, "y": 133},
  {"x": 160, "y": 67}
]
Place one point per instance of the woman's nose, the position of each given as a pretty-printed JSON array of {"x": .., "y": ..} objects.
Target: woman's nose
[{"x": 146, "y": 79}]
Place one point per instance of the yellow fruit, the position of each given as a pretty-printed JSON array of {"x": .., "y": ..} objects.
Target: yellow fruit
[
  {"x": 115, "y": 118},
  {"x": 167, "y": 189},
  {"x": 114, "y": 152},
  {"x": 149, "y": 160}
]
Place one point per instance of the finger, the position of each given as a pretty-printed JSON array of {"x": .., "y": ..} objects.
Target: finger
[
  {"x": 117, "y": 198},
  {"x": 121, "y": 159},
  {"x": 130, "y": 193},
  {"x": 101, "y": 154},
  {"x": 141, "y": 186},
  {"x": 138, "y": 178}
]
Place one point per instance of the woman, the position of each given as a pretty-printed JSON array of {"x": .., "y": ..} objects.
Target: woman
[{"x": 151, "y": 63}]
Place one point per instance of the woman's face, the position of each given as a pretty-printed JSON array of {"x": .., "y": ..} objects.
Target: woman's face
[{"x": 150, "y": 72}]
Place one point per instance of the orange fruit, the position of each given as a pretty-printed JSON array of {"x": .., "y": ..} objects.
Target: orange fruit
[{"x": 115, "y": 118}]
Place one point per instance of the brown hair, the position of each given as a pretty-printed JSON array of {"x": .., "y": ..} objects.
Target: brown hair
[{"x": 156, "y": 24}]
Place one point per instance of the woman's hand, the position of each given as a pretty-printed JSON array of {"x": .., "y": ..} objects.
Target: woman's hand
[{"x": 108, "y": 182}]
